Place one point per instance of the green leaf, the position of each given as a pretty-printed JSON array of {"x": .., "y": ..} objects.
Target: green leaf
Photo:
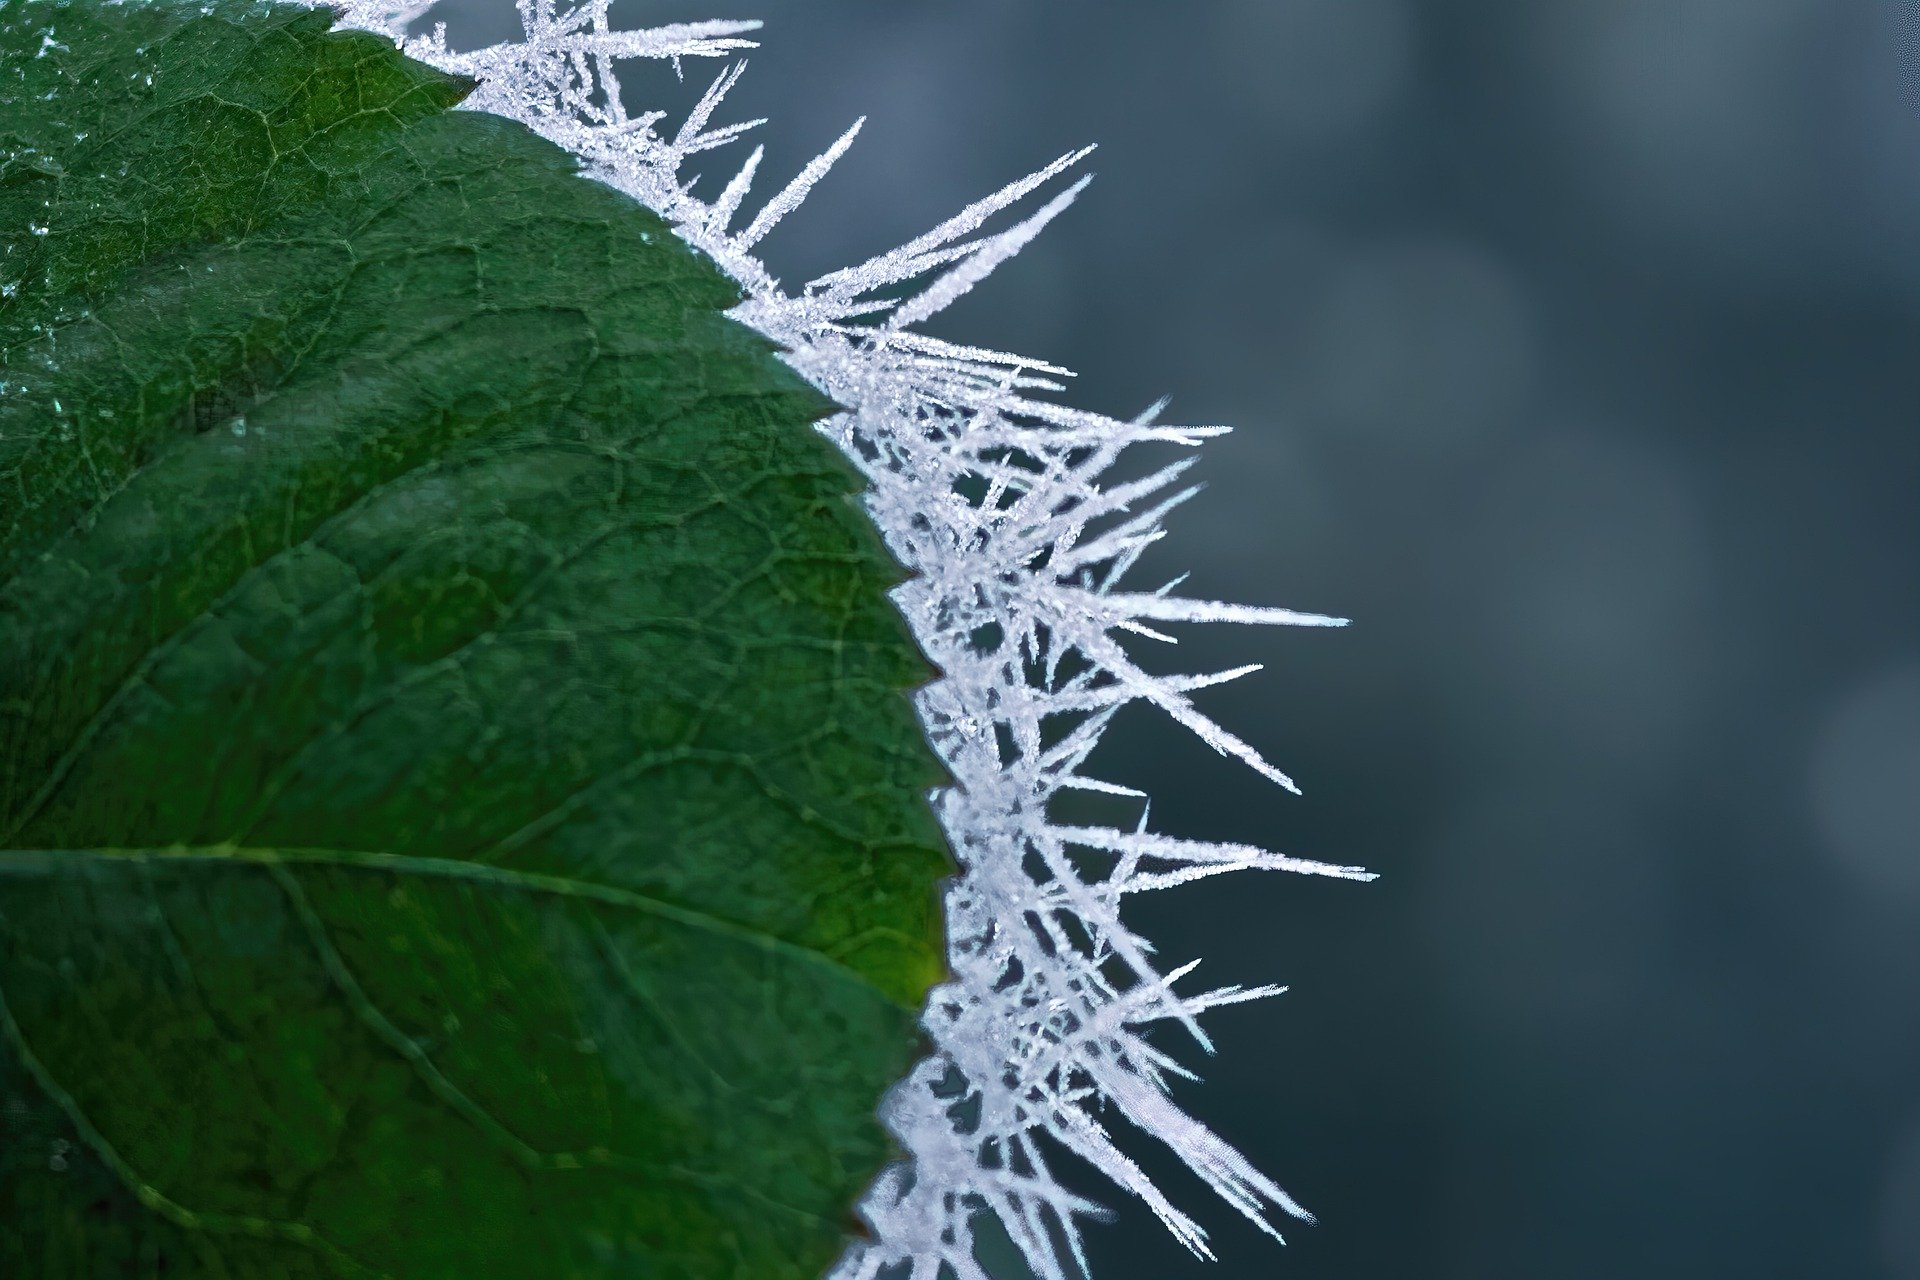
[{"x": 459, "y": 811}]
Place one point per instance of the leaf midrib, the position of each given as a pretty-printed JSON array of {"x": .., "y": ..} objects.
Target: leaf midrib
[{"x": 50, "y": 861}]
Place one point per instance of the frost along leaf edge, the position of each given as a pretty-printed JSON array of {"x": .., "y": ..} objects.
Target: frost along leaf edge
[
  {"x": 460, "y": 814},
  {"x": 1001, "y": 501}
]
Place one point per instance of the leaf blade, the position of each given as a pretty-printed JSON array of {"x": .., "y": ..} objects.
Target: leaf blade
[{"x": 410, "y": 496}]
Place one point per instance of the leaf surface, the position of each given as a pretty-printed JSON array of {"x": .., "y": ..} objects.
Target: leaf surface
[{"x": 459, "y": 812}]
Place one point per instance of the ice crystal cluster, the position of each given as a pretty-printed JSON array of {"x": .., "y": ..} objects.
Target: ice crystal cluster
[{"x": 997, "y": 498}]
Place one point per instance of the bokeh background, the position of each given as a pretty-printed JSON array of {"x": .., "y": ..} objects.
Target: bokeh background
[{"x": 1574, "y": 350}]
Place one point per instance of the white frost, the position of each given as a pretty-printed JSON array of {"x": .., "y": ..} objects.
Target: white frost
[{"x": 992, "y": 493}]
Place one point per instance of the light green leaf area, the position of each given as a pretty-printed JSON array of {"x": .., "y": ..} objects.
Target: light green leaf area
[{"x": 460, "y": 815}]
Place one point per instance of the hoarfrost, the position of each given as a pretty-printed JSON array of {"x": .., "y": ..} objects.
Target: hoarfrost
[{"x": 993, "y": 494}]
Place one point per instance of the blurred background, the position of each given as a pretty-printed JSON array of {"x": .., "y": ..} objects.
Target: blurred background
[{"x": 1574, "y": 351}]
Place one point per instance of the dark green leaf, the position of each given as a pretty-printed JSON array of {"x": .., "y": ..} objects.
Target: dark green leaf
[{"x": 460, "y": 813}]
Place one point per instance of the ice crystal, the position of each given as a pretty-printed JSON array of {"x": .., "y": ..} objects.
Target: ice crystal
[{"x": 998, "y": 498}]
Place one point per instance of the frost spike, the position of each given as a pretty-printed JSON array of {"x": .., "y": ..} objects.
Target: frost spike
[
  {"x": 728, "y": 204},
  {"x": 1181, "y": 610},
  {"x": 960, "y": 224},
  {"x": 1200, "y": 851},
  {"x": 981, "y": 262},
  {"x": 795, "y": 192}
]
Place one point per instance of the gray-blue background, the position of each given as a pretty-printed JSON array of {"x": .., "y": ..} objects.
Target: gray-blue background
[{"x": 1574, "y": 347}]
